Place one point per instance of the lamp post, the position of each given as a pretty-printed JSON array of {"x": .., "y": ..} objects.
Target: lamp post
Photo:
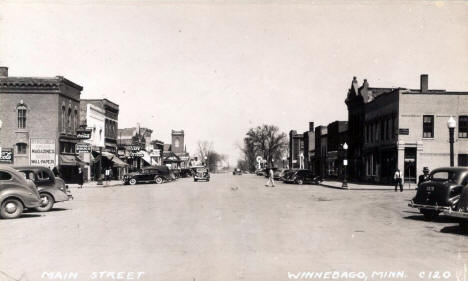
[
  {"x": 206, "y": 163},
  {"x": 451, "y": 124},
  {"x": 345, "y": 164},
  {"x": 99, "y": 167}
]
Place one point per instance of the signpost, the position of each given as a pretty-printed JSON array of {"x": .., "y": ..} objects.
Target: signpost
[
  {"x": 6, "y": 155},
  {"x": 42, "y": 152},
  {"x": 83, "y": 134}
]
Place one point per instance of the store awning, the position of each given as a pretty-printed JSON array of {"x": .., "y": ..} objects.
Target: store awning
[
  {"x": 117, "y": 162},
  {"x": 70, "y": 160}
]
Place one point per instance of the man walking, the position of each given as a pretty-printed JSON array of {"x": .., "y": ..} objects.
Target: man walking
[
  {"x": 270, "y": 178},
  {"x": 397, "y": 178}
]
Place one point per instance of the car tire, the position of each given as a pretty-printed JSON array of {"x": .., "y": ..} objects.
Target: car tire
[
  {"x": 429, "y": 214},
  {"x": 158, "y": 180},
  {"x": 300, "y": 182},
  {"x": 49, "y": 202},
  {"x": 132, "y": 181},
  {"x": 464, "y": 226},
  {"x": 11, "y": 208},
  {"x": 195, "y": 180}
]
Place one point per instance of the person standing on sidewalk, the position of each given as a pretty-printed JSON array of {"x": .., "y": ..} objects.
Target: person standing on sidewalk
[
  {"x": 80, "y": 177},
  {"x": 270, "y": 178},
  {"x": 107, "y": 174},
  {"x": 397, "y": 178},
  {"x": 425, "y": 176}
]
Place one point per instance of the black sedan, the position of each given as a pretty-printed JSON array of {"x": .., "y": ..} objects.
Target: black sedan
[
  {"x": 157, "y": 174},
  {"x": 460, "y": 212},
  {"x": 441, "y": 191},
  {"x": 237, "y": 171},
  {"x": 301, "y": 177}
]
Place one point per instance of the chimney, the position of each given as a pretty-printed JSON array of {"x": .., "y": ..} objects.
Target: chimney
[
  {"x": 311, "y": 126},
  {"x": 424, "y": 83},
  {"x": 3, "y": 71}
]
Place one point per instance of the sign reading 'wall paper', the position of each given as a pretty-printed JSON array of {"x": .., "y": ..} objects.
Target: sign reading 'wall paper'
[{"x": 42, "y": 152}]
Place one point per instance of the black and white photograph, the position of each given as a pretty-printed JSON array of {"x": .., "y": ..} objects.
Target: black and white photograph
[{"x": 233, "y": 140}]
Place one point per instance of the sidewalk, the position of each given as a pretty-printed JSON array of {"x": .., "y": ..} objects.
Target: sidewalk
[
  {"x": 363, "y": 186},
  {"x": 93, "y": 184}
]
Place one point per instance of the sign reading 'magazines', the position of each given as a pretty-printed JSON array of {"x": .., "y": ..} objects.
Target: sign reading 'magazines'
[{"x": 42, "y": 152}]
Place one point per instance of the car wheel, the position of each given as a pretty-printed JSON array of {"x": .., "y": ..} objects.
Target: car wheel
[
  {"x": 195, "y": 180},
  {"x": 47, "y": 202},
  {"x": 132, "y": 181},
  {"x": 158, "y": 180},
  {"x": 300, "y": 182},
  {"x": 464, "y": 226},
  {"x": 429, "y": 214},
  {"x": 11, "y": 208}
]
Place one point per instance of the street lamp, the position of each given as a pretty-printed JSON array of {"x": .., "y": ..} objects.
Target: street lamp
[
  {"x": 345, "y": 164},
  {"x": 206, "y": 162},
  {"x": 451, "y": 124}
]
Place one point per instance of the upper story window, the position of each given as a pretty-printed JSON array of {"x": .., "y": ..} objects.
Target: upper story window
[
  {"x": 21, "y": 148},
  {"x": 75, "y": 123},
  {"x": 22, "y": 116},
  {"x": 69, "y": 119},
  {"x": 428, "y": 126},
  {"x": 63, "y": 119},
  {"x": 463, "y": 127}
]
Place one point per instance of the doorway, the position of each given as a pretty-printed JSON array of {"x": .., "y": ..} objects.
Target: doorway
[{"x": 410, "y": 164}]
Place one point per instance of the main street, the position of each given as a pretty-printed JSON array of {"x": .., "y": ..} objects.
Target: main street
[{"x": 231, "y": 228}]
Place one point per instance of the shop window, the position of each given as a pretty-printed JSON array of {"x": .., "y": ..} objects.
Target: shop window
[
  {"x": 21, "y": 148},
  {"x": 463, "y": 127},
  {"x": 463, "y": 160},
  {"x": 428, "y": 126},
  {"x": 21, "y": 112}
]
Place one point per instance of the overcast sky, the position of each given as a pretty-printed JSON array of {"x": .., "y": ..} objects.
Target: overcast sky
[{"x": 216, "y": 68}]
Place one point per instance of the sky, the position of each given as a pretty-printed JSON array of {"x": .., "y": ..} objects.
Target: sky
[{"x": 217, "y": 68}]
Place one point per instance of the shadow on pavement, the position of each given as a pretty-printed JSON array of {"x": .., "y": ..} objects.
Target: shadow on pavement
[
  {"x": 28, "y": 211},
  {"x": 439, "y": 219},
  {"x": 25, "y": 215},
  {"x": 453, "y": 229}
]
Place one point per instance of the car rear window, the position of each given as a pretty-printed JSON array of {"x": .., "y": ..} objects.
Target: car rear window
[
  {"x": 444, "y": 176},
  {"x": 4, "y": 176}
]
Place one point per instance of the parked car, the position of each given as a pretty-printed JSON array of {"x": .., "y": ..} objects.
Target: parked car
[
  {"x": 460, "y": 212},
  {"x": 261, "y": 172},
  {"x": 441, "y": 191},
  {"x": 51, "y": 189},
  {"x": 157, "y": 174},
  {"x": 185, "y": 173},
  {"x": 16, "y": 193},
  {"x": 237, "y": 171},
  {"x": 286, "y": 174},
  {"x": 201, "y": 174},
  {"x": 303, "y": 176}
]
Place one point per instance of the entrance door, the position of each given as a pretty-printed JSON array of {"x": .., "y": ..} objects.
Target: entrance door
[{"x": 410, "y": 164}]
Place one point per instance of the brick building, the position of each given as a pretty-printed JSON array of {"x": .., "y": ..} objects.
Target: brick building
[
  {"x": 320, "y": 154},
  {"x": 40, "y": 116},
  {"x": 309, "y": 147},
  {"x": 403, "y": 128},
  {"x": 337, "y": 135},
  {"x": 296, "y": 150}
]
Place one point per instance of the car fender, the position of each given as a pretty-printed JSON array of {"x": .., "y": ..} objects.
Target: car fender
[{"x": 26, "y": 197}]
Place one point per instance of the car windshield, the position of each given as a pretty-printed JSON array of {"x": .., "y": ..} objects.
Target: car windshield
[
  {"x": 444, "y": 176},
  {"x": 201, "y": 170}
]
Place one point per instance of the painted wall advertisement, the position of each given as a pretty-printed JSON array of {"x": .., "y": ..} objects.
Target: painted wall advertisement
[
  {"x": 6, "y": 155},
  {"x": 42, "y": 152}
]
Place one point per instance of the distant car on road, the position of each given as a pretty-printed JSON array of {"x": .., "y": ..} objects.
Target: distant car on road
[
  {"x": 16, "y": 193},
  {"x": 261, "y": 172},
  {"x": 201, "y": 174},
  {"x": 441, "y": 192},
  {"x": 51, "y": 189},
  {"x": 237, "y": 171},
  {"x": 302, "y": 177},
  {"x": 157, "y": 174}
]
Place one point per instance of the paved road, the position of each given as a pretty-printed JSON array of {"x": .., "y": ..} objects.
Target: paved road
[{"x": 231, "y": 228}]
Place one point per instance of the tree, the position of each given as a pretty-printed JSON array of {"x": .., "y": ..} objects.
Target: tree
[
  {"x": 266, "y": 141},
  {"x": 204, "y": 149},
  {"x": 209, "y": 156}
]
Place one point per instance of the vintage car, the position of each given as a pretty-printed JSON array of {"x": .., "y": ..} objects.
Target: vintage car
[
  {"x": 440, "y": 192},
  {"x": 201, "y": 174},
  {"x": 301, "y": 177},
  {"x": 261, "y": 172},
  {"x": 460, "y": 212},
  {"x": 185, "y": 173},
  {"x": 51, "y": 189},
  {"x": 237, "y": 171},
  {"x": 157, "y": 174},
  {"x": 16, "y": 193}
]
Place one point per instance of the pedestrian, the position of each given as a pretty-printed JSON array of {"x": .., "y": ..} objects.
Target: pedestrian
[
  {"x": 80, "y": 177},
  {"x": 107, "y": 175},
  {"x": 397, "y": 178},
  {"x": 424, "y": 177},
  {"x": 270, "y": 178}
]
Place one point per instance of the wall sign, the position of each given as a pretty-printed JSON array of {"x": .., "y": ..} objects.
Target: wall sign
[
  {"x": 83, "y": 134},
  {"x": 42, "y": 152},
  {"x": 403, "y": 131},
  {"x": 83, "y": 147},
  {"x": 6, "y": 156}
]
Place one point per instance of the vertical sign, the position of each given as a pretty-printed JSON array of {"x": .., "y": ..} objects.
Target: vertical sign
[{"x": 42, "y": 152}]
